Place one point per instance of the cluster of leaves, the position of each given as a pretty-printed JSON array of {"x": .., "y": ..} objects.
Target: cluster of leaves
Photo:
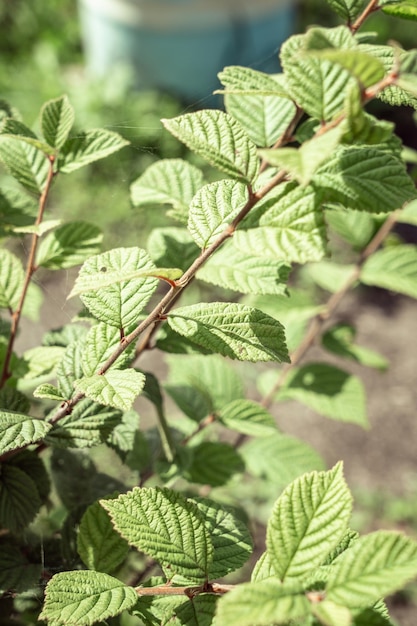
[{"x": 299, "y": 159}]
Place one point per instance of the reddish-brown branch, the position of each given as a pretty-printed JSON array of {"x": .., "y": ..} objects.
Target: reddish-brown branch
[
  {"x": 369, "y": 9},
  {"x": 318, "y": 322},
  {"x": 190, "y": 592},
  {"x": 30, "y": 269}
]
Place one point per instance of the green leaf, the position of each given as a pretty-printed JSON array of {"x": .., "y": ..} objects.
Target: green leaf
[
  {"x": 18, "y": 431},
  {"x": 329, "y": 275},
  {"x": 233, "y": 269},
  {"x": 19, "y": 498},
  {"x": 317, "y": 85},
  {"x": 13, "y": 400},
  {"x": 68, "y": 245},
  {"x": 355, "y": 227},
  {"x": 214, "y": 463},
  {"x": 308, "y": 521},
  {"x": 24, "y": 162},
  {"x": 247, "y": 417},
  {"x": 340, "y": 340},
  {"x": 14, "y": 129},
  {"x": 41, "y": 361},
  {"x": 115, "y": 286},
  {"x": 57, "y": 118},
  {"x": 201, "y": 385},
  {"x": 16, "y": 572},
  {"x": 214, "y": 207},
  {"x": 70, "y": 368},
  {"x": 197, "y": 612},
  {"x": 167, "y": 527},
  {"x": 408, "y": 215},
  {"x": 280, "y": 458},
  {"x": 219, "y": 139},
  {"x": 100, "y": 343},
  {"x": 99, "y": 546},
  {"x": 366, "y": 179},
  {"x": 231, "y": 539},
  {"x": 88, "y": 147},
  {"x": 258, "y": 102},
  {"x": 262, "y": 604},
  {"x": 37, "y": 229},
  {"x": 172, "y": 247},
  {"x": 303, "y": 162},
  {"x": 116, "y": 388},
  {"x": 48, "y": 392},
  {"x": 347, "y": 9},
  {"x": 375, "y": 566},
  {"x": 89, "y": 424},
  {"x": 11, "y": 280},
  {"x": 407, "y": 9},
  {"x": 17, "y": 209},
  {"x": 393, "y": 268},
  {"x": 330, "y": 614},
  {"x": 327, "y": 390},
  {"x": 32, "y": 465},
  {"x": 294, "y": 312},
  {"x": 169, "y": 181},
  {"x": 82, "y": 598},
  {"x": 291, "y": 230},
  {"x": 367, "y": 69},
  {"x": 234, "y": 330}
]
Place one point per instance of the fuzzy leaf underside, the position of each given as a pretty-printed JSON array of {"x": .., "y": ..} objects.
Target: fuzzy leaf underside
[
  {"x": 167, "y": 527},
  {"x": 233, "y": 330},
  {"x": 82, "y": 598},
  {"x": 308, "y": 521}
]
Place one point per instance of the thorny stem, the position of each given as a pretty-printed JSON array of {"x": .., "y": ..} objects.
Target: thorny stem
[
  {"x": 30, "y": 270},
  {"x": 370, "y": 8}
]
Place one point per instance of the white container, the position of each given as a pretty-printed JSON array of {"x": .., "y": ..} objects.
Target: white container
[{"x": 181, "y": 45}]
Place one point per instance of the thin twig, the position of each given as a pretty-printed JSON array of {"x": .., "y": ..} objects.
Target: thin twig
[
  {"x": 30, "y": 269},
  {"x": 318, "y": 322},
  {"x": 370, "y": 8}
]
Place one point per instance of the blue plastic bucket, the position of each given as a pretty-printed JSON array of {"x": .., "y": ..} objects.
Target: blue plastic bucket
[{"x": 181, "y": 45}]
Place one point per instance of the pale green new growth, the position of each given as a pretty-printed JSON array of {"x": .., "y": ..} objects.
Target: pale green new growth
[
  {"x": 116, "y": 388},
  {"x": 57, "y": 118}
]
